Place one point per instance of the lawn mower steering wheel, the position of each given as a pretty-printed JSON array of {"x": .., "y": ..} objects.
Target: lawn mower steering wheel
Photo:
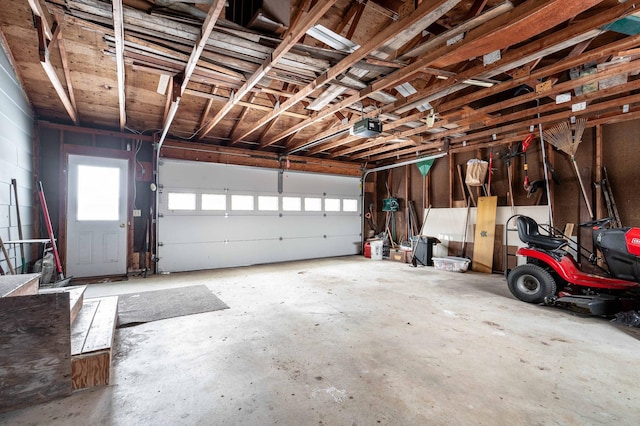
[{"x": 597, "y": 223}]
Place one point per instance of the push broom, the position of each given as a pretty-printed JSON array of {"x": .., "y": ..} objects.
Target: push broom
[{"x": 560, "y": 136}]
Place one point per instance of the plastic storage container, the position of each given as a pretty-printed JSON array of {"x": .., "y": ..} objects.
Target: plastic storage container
[
  {"x": 453, "y": 264},
  {"x": 376, "y": 249}
]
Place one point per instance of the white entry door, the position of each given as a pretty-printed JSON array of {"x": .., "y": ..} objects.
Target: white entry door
[{"x": 96, "y": 216}]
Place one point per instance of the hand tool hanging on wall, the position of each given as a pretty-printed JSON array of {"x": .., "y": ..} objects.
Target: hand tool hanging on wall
[
  {"x": 62, "y": 281},
  {"x": 507, "y": 160},
  {"x": 560, "y": 136},
  {"x": 525, "y": 145},
  {"x": 15, "y": 193}
]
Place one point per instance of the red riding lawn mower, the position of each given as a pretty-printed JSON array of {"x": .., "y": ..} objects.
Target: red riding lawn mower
[{"x": 552, "y": 276}]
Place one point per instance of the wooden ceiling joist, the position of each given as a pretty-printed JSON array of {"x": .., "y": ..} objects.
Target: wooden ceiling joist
[
  {"x": 530, "y": 18},
  {"x": 433, "y": 11},
  {"x": 212, "y": 16},
  {"x": 479, "y": 118},
  {"x": 521, "y": 127},
  {"x": 292, "y": 95},
  {"x": 51, "y": 72},
  {"x": 37, "y": 10},
  {"x": 290, "y": 38}
]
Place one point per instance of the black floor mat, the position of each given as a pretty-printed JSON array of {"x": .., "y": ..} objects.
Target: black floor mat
[{"x": 146, "y": 306}]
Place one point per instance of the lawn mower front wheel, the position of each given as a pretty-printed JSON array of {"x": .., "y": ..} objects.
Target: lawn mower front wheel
[{"x": 531, "y": 283}]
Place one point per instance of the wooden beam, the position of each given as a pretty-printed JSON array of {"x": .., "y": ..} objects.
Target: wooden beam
[
  {"x": 118, "y": 32},
  {"x": 481, "y": 118},
  {"x": 37, "y": 10},
  {"x": 517, "y": 129},
  {"x": 207, "y": 108},
  {"x": 476, "y": 9},
  {"x": 67, "y": 73},
  {"x": 356, "y": 19},
  {"x": 351, "y": 12},
  {"x": 248, "y": 104},
  {"x": 246, "y": 157},
  {"x": 551, "y": 43},
  {"x": 241, "y": 117},
  {"x": 435, "y": 42},
  {"x": 435, "y": 11},
  {"x": 290, "y": 38},
  {"x": 51, "y": 73},
  {"x": 212, "y": 16},
  {"x": 525, "y": 21},
  {"x": 518, "y": 118}
]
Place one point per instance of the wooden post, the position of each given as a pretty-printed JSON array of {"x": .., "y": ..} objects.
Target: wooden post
[
  {"x": 598, "y": 175},
  {"x": 451, "y": 180}
]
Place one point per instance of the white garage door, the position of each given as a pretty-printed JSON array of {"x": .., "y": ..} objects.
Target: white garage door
[{"x": 217, "y": 215}]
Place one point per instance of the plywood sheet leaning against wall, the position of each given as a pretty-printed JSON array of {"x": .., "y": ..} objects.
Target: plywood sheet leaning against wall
[
  {"x": 485, "y": 234},
  {"x": 35, "y": 358}
]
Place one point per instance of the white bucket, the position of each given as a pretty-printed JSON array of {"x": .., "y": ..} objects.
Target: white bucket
[{"x": 376, "y": 250}]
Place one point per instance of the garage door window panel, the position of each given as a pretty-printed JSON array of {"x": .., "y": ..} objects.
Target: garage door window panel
[
  {"x": 291, "y": 204},
  {"x": 242, "y": 202},
  {"x": 350, "y": 205},
  {"x": 268, "y": 203},
  {"x": 214, "y": 202},
  {"x": 181, "y": 201},
  {"x": 312, "y": 204},
  {"x": 332, "y": 204}
]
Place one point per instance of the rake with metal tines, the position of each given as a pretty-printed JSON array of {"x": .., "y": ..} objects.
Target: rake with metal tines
[{"x": 560, "y": 136}]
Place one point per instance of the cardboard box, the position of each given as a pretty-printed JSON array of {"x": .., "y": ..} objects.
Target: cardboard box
[{"x": 398, "y": 255}]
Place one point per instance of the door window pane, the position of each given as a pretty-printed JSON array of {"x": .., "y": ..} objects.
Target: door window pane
[
  {"x": 332, "y": 204},
  {"x": 242, "y": 202},
  {"x": 313, "y": 204},
  {"x": 181, "y": 201},
  {"x": 349, "y": 205},
  {"x": 291, "y": 204},
  {"x": 98, "y": 193},
  {"x": 214, "y": 202},
  {"x": 267, "y": 203}
]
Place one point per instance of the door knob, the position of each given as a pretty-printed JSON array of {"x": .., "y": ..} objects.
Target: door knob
[{"x": 122, "y": 225}]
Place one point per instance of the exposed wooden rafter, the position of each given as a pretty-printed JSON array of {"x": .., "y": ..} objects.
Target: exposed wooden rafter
[
  {"x": 43, "y": 52},
  {"x": 37, "y": 10},
  {"x": 212, "y": 16},
  {"x": 567, "y": 37},
  {"x": 289, "y": 40},
  {"x": 426, "y": 10}
]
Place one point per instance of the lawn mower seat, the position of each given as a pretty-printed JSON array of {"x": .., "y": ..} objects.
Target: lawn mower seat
[{"x": 529, "y": 233}]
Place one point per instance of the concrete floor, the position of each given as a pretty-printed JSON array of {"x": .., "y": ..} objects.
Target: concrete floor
[{"x": 350, "y": 341}]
